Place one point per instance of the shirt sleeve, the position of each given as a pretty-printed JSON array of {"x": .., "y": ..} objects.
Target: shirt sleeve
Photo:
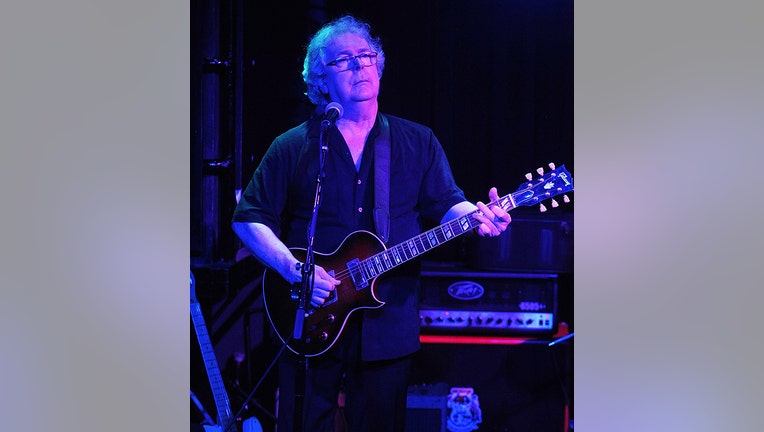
[
  {"x": 264, "y": 198},
  {"x": 439, "y": 190}
]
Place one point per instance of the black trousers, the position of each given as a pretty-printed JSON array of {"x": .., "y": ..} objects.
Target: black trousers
[{"x": 375, "y": 391}]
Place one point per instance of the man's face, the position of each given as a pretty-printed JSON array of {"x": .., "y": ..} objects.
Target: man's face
[{"x": 349, "y": 80}]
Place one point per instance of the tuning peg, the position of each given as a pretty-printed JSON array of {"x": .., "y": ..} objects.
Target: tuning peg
[
  {"x": 529, "y": 176},
  {"x": 551, "y": 165},
  {"x": 540, "y": 170},
  {"x": 542, "y": 208},
  {"x": 565, "y": 198},
  {"x": 555, "y": 204}
]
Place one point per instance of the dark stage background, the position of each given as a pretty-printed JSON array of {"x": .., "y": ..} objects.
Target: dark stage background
[{"x": 493, "y": 79}]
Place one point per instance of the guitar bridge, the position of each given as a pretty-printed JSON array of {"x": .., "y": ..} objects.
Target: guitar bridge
[{"x": 356, "y": 273}]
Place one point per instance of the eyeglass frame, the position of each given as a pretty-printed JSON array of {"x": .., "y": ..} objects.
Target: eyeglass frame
[{"x": 371, "y": 55}]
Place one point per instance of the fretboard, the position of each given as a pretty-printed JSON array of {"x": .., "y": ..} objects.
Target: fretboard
[
  {"x": 416, "y": 246},
  {"x": 222, "y": 404}
]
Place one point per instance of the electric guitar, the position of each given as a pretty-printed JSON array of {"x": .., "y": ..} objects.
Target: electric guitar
[
  {"x": 362, "y": 257},
  {"x": 225, "y": 420}
]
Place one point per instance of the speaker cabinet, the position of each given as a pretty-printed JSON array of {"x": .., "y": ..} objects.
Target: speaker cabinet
[{"x": 520, "y": 387}]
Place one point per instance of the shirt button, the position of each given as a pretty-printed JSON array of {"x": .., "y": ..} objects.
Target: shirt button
[
  {"x": 360, "y": 209},
  {"x": 359, "y": 181}
]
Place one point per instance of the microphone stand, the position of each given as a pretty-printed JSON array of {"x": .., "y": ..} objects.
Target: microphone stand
[{"x": 306, "y": 285}]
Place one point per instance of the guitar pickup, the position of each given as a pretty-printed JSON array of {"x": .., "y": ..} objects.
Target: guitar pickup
[{"x": 356, "y": 273}]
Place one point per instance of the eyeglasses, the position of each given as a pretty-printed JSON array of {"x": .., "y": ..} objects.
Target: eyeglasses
[{"x": 345, "y": 63}]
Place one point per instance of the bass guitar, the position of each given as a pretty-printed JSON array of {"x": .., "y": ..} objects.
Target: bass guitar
[
  {"x": 362, "y": 257},
  {"x": 225, "y": 419}
]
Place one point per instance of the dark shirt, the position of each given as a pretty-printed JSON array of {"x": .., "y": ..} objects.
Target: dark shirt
[{"x": 282, "y": 191}]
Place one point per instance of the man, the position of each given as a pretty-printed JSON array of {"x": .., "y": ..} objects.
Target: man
[{"x": 371, "y": 358}]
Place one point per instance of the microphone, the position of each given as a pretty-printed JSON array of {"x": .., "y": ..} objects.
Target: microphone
[{"x": 332, "y": 113}]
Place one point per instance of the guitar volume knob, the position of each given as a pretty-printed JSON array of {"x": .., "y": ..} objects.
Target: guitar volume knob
[{"x": 323, "y": 336}]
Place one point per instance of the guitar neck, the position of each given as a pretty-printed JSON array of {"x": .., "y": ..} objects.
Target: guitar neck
[
  {"x": 416, "y": 246},
  {"x": 222, "y": 404}
]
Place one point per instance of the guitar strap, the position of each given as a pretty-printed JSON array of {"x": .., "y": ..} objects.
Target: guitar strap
[{"x": 382, "y": 180}]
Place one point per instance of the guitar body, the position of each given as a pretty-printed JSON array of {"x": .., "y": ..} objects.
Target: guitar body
[{"x": 322, "y": 325}]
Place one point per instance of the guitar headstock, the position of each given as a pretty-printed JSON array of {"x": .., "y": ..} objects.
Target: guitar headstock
[{"x": 546, "y": 185}]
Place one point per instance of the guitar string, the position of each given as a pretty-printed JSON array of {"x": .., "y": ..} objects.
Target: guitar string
[
  {"x": 345, "y": 273},
  {"x": 509, "y": 200}
]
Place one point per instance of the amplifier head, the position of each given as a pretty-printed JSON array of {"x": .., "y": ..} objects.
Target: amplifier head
[{"x": 488, "y": 302}]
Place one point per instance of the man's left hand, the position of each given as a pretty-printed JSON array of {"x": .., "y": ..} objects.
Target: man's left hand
[{"x": 493, "y": 220}]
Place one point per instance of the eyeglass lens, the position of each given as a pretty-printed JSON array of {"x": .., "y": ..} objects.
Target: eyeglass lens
[{"x": 364, "y": 59}]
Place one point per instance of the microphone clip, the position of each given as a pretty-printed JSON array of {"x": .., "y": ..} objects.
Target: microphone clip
[{"x": 332, "y": 113}]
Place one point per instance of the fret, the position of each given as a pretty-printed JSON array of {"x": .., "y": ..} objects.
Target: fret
[
  {"x": 423, "y": 245},
  {"x": 369, "y": 266},
  {"x": 412, "y": 248},
  {"x": 418, "y": 244},
  {"x": 443, "y": 236},
  {"x": 406, "y": 256},
  {"x": 456, "y": 225},
  {"x": 464, "y": 223},
  {"x": 367, "y": 271},
  {"x": 474, "y": 223},
  {"x": 362, "y": 269},
  {"x": 504, "y": 203},
  {"x": 407, "y": 251},
  {"x": 396, "y": 256},
  {"x": 512, "y": 202},
  {"x": 386, "y": 260},
  {"x": 447, "y": 231},
  {"x": 440, "y": 235},
  {"x": 382, "y": 265},
  {"x": 378, "y": 264},
  {"x": 431, "y": 237}
]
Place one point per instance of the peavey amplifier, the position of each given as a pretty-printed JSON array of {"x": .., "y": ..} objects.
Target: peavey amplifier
[{"x": 490, "y": 303}]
